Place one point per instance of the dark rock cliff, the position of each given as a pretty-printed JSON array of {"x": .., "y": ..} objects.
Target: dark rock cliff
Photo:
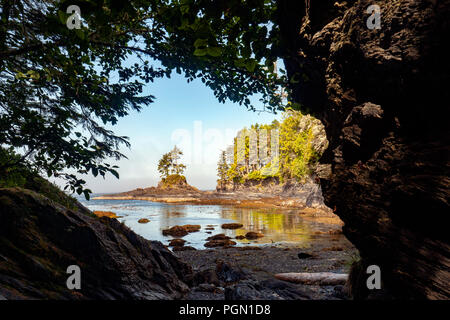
[
  {"x": 308, "y": 192},
  {"x": 39, "y": 239},
  {"x": 381, "y": 95}
]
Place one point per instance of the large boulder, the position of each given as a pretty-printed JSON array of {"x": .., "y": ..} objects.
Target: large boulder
[
  {"x": 39, "y": 239},
  {"x": 381, "y": 94},
  {"x": 270, "y": 289}
]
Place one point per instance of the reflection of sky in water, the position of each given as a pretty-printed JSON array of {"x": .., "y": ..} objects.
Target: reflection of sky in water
[{"x": 277, "y": 225}]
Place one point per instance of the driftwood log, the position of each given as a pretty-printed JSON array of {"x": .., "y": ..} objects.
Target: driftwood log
[{"x": 320, "y": 278}]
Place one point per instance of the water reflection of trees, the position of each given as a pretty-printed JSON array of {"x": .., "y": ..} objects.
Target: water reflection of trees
[
  {"x": 170, "y": 215},
  {"x": 276, "y": 225}
]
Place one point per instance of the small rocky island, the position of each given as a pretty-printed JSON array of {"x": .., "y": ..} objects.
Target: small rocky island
[
  {"x": 266, "y": 194},
  {"x": 284, "y": 177}
]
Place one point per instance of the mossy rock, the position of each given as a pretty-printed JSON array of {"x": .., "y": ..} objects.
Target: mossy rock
[
  {"x": 253, "y": 235},
  {"x": 108, "y": 214},
  {"x": 177, "y": 243},
  {"x": 232, "y": 225},
  {"x": 176, "y": 231}
]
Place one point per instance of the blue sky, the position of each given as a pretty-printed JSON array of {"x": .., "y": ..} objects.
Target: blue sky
[{"x": 186, "y": 114}]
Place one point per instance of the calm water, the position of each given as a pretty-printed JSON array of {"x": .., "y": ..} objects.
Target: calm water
[{"x": 277, "y": 225}]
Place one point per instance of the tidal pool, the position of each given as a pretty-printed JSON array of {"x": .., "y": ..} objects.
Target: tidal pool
[{"x": 277, "y": 225}]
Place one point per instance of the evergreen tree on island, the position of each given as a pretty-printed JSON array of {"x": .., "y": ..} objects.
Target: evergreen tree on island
[
  {"x": 222, "y": 170},
  {"x": 171, "y": 169}
]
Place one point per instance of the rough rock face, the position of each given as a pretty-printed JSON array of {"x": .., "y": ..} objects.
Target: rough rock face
[
  {"x": 39, "y": 239},
  {"x": 380, "y": 94},
  {"x": 172, "y": 185},
  {"x": 309, "y": 192},
  {"x": 271, "y": 289}
]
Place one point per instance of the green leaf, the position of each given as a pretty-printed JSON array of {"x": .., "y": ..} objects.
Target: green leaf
[
  {"x": 294, "y": 79},
  {"x": 62, "y": 17},
  {"x": 80, "y": 34},
  {"x": 33, "y": 74},
  {"x": 214, "y": 51},
  {"x": 184, "y": 9},
  {"x": 115, "y": 173},
  {"x": 200, "y": 52},
  {"x": 19, "y": 75},
  {"x": 250, "y": 65},
  {"x": 200, "y": 43},
  {"x": 239, "y": 63}
]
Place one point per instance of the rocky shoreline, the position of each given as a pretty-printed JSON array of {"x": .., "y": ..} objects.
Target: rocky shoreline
[
  {"x": 241, "y": 200},
  {"x": 236, "y": 273},
  {"x": 40, "y": 239},
  {"x": 126, "y": 266},
  {"x": 307, "y": 196},
  {"x": 224, "y": 271}
]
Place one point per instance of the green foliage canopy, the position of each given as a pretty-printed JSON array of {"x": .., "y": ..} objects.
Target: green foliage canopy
[
  {"x": 60, "y": 88},
  {"x": 222, "y": 168},
  {"x": 169, "y": 163},
  {"x": 297, "y": 152}
]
